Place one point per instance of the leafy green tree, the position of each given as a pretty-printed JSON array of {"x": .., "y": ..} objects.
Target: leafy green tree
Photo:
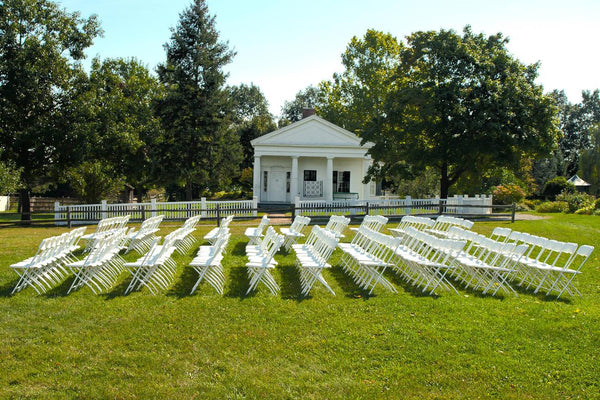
[
  {"x": 40, "y": 46},
  {"x": 251, "y": 118},
  {"x": 94, "y": 181},
  {"x": 357, "y": 95},
  {"x": 459, "y": 104},
  {"x": 9, "y": 178},
  {"x": 292, "y": 110},
  {"x": 120, "y": 125},
  {"x": 199, "y": 148},
  {"x": 589, "y": 162}
]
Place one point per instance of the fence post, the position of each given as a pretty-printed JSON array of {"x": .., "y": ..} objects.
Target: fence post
[
  {"x": 255, "y": 206},
  {"x": 407, "y": 203},
  {"x": 293, "y": 208},
  {"x": 514, "y": 210},
  {"x": 153, "y": 207},
  {"x": 69, "y": 216},
  {"x": 103, "y": 207},
  {"x": 56, "y": 213},
  {"x": 143, "y": 212},
  {"x": 203, "y": 207},
  {"x": 218, "y": 215},
  {"x": 367, "y": 208}
]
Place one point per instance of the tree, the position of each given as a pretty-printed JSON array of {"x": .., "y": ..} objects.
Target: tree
[
  {"x": 9, "y": 178},
  {"x": 589, "y": 162},
  {"x": 94, "y": 181},
  {"x": 120, "y": 125},
  {"x": 251, "y": 118},
  {"x": 199, "y": 148},
  {"x": 357, "y": 95},
  {"x": 459, "y": 104},
  {"x": 40, "y": 46},
  {"x": 292, "y": 110}
]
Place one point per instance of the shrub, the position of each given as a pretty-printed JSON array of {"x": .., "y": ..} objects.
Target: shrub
[
  {"x": 552, "y": 207},
  {"x": 556, "y": 186},
  {"x": 508, "y": 194},
  {"x": 576, "y": 200}
]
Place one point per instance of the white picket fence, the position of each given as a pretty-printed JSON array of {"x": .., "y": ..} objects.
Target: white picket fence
[
  {"x": 478, "y": 205},
  {"x": 178, "y": 210}
]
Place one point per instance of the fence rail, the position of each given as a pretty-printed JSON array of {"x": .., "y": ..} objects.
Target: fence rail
[{"x": 173, "y": 211}]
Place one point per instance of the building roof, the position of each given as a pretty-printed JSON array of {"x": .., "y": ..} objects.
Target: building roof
[{"x": 577, "y": 181}]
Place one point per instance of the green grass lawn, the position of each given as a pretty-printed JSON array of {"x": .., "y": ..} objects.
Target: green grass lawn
[{"x": 404, "y": 345}]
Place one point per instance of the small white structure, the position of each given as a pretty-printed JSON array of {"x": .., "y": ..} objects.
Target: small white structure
[
  {"x": 579, "y": 183},
  {"x": 311, "y": 159}
]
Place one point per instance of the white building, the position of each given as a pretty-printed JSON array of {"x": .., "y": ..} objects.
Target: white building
[{"x": 312, "y": 159}]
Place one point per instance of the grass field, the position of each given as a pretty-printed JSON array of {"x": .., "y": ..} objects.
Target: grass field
[{"x": 404, "y": 345}]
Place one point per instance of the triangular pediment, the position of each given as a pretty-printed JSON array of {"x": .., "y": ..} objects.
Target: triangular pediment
[{"x": 310, "y": 132}]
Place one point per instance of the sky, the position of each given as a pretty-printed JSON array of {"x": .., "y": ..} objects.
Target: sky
[{"x": 284, "y": 46}]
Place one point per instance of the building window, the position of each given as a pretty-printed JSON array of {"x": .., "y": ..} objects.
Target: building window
[
  {"x": 341, "y": 181},
  {"x": 310, "y": 175},
  {"x": 265, "y": 180},
  {"x": 288, "y": 180}
]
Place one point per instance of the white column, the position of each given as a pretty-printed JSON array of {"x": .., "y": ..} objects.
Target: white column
[
  {"x": 366, "y": 186},
  {"x": 256, "y": 177},
  {"x": 294, "y": 178},
  {"x": 328, "y": 181}
]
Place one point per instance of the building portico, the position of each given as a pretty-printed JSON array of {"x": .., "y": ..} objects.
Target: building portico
[{"x": 311, "y": 159}]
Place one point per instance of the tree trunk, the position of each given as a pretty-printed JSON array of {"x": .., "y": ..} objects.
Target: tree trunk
[
  {"x": 25, "y": 204},
  {"x": 189, "y": 191},
  {"x": 444, "y": 185},
  {"x": 444, "y": 181}
]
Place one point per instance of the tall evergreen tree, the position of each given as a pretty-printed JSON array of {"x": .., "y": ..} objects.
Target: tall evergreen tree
[{"x": 199, "y": 149}]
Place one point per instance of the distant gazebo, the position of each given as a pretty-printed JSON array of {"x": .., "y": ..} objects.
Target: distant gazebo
[{"x": 580, "y": 184}]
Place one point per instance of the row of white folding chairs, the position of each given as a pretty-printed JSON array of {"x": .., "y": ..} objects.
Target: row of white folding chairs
[
  {"x": 207, "y": 263},
  {"x": 106, "y": 226},
  {"x": 419, "y": 223},
  {"x": 337, "y": 224},
  {"x": 212, "y": 236},
  {"x": 549, "y": 265},
  {"x": 444, "y": 222},
  {"x": 367, "y": 257},
  {"x": 183, "y": 238},
  {"x": 255, "y": 233},
  {"x": 424, "y": 260},
  {"x": 295, "y": 231},
  {"x": 156, "y": 269},
  {"x": 101, "y": 267},
  {"x": 488, "y": 265},
  {"x": 373, "y": 222},
  {"x": 141, "y": 239},
  {"x": 46, "y": 267},
  {"x": 546, "y": 264},
  {"x": 312, "y": 257},
  {"x": 261, "y": 260}
]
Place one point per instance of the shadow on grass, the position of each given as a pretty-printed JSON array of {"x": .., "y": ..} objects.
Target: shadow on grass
[
  {"x": 350, "y": 288},
  {"x": 118, "y": 290},
  {"x": 290, "y": 283},
  {"x": 238, "y": 283},
  {"x": 396, "y": 278},
  {"x": 62, "y": 290},
  {"x": 7, "y": 288},
  {"x": 184, "y": 284}
]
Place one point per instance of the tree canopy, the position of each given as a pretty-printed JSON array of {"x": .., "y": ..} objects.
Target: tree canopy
[
  {"x": 357, "y": 95},
  {"x": 40, "y": 46},
  {"x": 460, "y": 104}
]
